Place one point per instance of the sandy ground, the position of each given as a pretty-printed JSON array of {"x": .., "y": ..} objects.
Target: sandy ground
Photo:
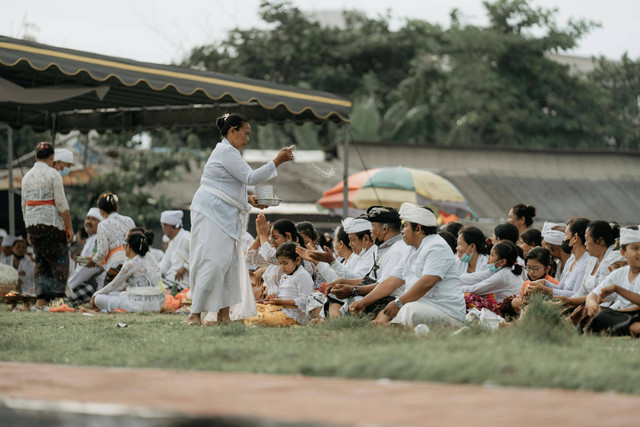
[{"x": 310, "y": 399}]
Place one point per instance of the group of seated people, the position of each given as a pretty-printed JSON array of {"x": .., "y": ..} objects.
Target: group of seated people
[
  {"x": 115, "y": 268},
  {"x": 396, "y": 266}
]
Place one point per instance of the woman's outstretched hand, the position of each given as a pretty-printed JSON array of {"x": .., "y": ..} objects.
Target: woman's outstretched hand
[{"x": 284, "y": 155}]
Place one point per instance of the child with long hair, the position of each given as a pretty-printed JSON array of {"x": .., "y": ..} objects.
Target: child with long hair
[
  {"x": 504, "y": 281},
  {"x": 287, "y": 307},
  {"x": 539, "y": 262}
]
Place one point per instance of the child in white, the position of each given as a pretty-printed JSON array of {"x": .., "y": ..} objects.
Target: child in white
[
  {"x": 138, "y": 286},
  {"x": 296, "y": 284}
]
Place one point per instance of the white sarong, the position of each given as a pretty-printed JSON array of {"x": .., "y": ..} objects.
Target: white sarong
[{"x": 219, "y": 276}]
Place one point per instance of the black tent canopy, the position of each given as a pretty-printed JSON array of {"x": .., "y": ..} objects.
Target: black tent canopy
[
  {"x": 47, "y": 88},
  {"x": 56, "y": 89}
]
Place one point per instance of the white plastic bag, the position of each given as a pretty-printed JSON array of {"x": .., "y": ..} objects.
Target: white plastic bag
[{"x": 484, "y": 317}]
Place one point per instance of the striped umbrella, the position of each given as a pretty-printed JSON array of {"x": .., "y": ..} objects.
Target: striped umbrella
[{"x": 393, "y": 186}]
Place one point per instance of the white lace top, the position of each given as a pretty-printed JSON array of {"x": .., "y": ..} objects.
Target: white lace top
[
  {"x": 43, "y": 183},
  {"x": 112, "y": 232},
  {"x": 136, "y": 272}
]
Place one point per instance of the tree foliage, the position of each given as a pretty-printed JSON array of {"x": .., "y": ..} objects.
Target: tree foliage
[{"x": 461, "y": 85}]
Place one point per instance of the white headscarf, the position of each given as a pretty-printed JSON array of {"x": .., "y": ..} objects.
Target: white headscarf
[
  {"x": 95, "y": 213},
  {"x": 356, "y": 225},
  {"x": 555, "y": 237},
  {"x": 172, "y": 218},
  {"x": 417, "y": 215},
  {"x": 626, "y": 236},
  {"x": 3, "y": 233}
]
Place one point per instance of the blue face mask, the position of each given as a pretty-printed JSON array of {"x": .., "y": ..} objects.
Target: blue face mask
[
  {"x": 493, "y": 268},
  {"x": 64, "y": 172},
  {"x": 466, "y": 258}
]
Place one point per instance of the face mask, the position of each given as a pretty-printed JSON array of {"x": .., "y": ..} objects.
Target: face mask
[
  {"x": 566, "y": 248},
  {"x": 466, "y": 258},
  {"x": 493, "y": 268},
  {"x": 64, "y": 172}
]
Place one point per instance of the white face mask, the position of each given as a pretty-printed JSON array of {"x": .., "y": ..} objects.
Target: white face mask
[{"x": 64, "y": 172}]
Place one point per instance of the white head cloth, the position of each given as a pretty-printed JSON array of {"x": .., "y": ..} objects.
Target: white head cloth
[
  {"x": 555, "y": 237},
  {"x": 3, "y": 232},
  {"x": 63, "y": 155},
  {"x": 172, "y": 218},
  {"x": 417, "y": 215},
  {"x": 8, "y": 240},
  {"x": 626, "y": 236},
  {"x": 95, "y": 213},
  {"x": 613, "y": 257},
  {"x": 356, "y": 225}
]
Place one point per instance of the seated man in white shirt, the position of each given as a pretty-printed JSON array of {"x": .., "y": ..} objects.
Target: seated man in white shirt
[
  {"x": 362, "y": 244},
  {"x": 392, "y": 250},
  {"x": 85, "y": 281},
  {"x": 619, "y": 289},
  {"x": 432, "y": 294},
  {"x": 24, "y": 266},
  {"x": 174, "y": 265}
]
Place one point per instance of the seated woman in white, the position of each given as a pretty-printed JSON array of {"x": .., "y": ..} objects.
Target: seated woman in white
[
  {"x": 471, "y": 250},
  {"x": 138, "y": 286},
  {"x": 505, "y": 279}
]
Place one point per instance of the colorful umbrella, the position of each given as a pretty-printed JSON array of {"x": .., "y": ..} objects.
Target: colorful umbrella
[{"x": 393, "y": 186}]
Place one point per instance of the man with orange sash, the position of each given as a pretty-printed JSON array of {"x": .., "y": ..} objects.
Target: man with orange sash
[{"x": 46, "y": 216}]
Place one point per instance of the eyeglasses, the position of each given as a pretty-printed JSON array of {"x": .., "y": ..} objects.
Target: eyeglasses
[{"x": 534, "y": 269}]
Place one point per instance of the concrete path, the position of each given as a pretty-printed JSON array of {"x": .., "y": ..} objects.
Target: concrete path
[{"x": 312, "y": 400}]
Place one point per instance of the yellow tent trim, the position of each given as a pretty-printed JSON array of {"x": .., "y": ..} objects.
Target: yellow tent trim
[{"x": 174, "y": 74}]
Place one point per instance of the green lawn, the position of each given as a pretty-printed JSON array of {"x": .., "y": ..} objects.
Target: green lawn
[{"x": 541, "y": 350}]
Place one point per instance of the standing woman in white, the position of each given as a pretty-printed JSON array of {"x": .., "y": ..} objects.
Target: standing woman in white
[{"x": 218, "y": 275}]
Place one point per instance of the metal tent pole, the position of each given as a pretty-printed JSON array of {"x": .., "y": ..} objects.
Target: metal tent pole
[
  {"x": 345, "y": 180},
  {"x": 12, "y": 213}
]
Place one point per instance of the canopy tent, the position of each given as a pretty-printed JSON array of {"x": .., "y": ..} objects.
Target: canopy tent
[
  {"x": 51, "y": 88},
  {"x": 48, "y": 87}
]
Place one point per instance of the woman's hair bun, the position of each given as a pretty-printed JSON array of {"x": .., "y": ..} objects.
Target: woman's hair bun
[{"x": 228, "y": 121}]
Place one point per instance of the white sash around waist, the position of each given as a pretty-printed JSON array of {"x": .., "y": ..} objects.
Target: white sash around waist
[{"x": 244, "y": 209}]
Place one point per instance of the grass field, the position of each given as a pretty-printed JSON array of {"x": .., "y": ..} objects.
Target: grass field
[{"x": 540, "y": 350}]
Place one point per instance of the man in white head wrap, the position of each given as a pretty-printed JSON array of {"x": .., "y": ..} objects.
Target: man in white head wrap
[
  {"x": 84, "y": 281},
  {"x": 360, "y": 263},
  {"x": 621, "y": 290},
  {"x": 552, "y": 236},
  {"x": 364, "y": 249},
  {"x": 175, "y": 262},
  {"x": 62, "y": 161},
  {"x": 432, "y": 294},
  {"x": 392, "y": 250},
  {"x": 7, "y": 243}
]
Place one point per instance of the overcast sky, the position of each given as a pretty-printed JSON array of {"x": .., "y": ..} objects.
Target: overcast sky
[{"x": 163, "y": 31}]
